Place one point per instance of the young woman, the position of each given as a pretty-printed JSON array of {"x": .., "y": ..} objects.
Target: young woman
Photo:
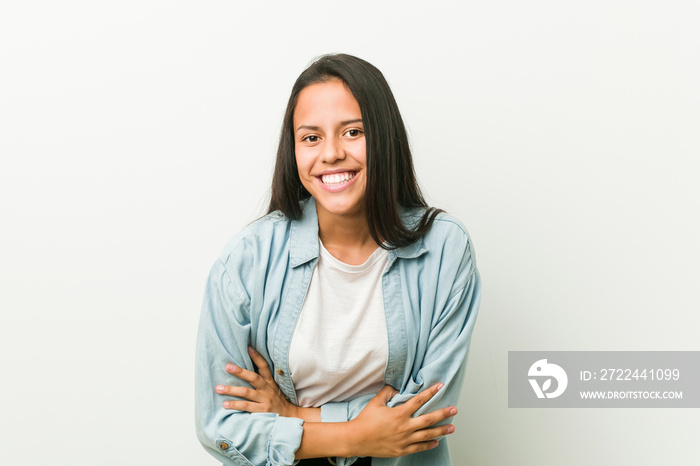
[{"x": 338, "y": 325}]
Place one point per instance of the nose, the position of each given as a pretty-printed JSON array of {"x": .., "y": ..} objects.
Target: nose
[{"x": 332, "y": 151}]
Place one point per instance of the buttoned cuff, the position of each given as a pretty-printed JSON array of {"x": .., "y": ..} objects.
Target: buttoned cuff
[{"x": 285, "y": 439}]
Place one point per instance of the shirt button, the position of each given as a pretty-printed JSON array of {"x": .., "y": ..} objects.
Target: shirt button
[
  {"x": 223, "y": 446},
  {"x": 280, "y": 371}
]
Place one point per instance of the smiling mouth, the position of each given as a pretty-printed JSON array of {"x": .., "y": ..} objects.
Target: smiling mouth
[{"x": 337, "y": 178}]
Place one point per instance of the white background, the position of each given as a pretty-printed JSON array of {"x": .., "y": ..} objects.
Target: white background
[{"x": 137, "y": 136}]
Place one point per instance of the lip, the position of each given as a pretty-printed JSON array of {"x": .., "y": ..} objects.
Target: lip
[
  {"x": 336, "y": 170},
  {"x": 339, "y": 186}
]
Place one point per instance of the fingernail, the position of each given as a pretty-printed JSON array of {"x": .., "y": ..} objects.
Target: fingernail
[
  {"x": 231, "y": 368},
  {"x": 453, "y": 411},
  {"x": 439, "y": 387},
  {"x": 226, "y": 404},
  {"x": 251, "y": 350},
  {"x": 450, "y": 429},
  {"x": 220, "y": 388}
]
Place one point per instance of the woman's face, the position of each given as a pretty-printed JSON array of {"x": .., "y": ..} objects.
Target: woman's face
[{"x": 329, "y": 144}]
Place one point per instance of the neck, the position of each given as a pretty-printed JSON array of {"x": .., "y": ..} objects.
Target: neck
[{"x": 346, "y": 237}]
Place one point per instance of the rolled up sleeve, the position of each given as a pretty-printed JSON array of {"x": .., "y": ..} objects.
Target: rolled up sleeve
[{"x": 234, "y": 437}]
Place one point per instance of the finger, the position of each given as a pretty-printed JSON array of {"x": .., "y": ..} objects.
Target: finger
[
  {"x": 432, "y": 433},
  {"x": 240, "y": 392},
  {"x": 249, "y": 376},
  {"x": 243, "y": 405},
  {"x": 422, "y": 398},
  {"x": 384, "y": 395},
  {"x": 261, "y": 364},
  {"x": 421, "y": 446},
  {"x": 432, "y": 418}
]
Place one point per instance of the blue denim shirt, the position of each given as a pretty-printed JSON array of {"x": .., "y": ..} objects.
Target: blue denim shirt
[{"x": 254, "y": 295}]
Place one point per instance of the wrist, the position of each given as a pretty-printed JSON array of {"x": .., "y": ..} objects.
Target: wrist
[
  {"x": 351, "y": 439},
  {"x": 293, "y": 411},
  {"x": 332, "y": 439},
  {"x": 307, "y": 414}
]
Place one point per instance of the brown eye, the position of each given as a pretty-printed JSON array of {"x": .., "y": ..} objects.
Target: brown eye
[
  {"x": 353, "y": 133},
  {"x": 311, "y": 138}
]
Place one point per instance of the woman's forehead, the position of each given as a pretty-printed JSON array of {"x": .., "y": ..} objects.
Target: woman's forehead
[{"x": 325, "y": 102}]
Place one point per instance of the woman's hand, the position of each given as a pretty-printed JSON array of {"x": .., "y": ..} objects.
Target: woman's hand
[
  {"x": 264, "y": 397},
  {"x": 381, "y": 431},
  {"x": 377, "y": 431}
]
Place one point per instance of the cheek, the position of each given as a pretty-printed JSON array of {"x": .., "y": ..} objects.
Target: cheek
[
  {"x": 299, "y": 159},
  {"x": 303, "y": 165},
  {"x": 360, "y": 151},
  {"x": 305, "y": 159}
]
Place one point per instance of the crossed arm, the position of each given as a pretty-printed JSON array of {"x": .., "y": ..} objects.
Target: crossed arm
[
  {"x": 259, "y": 426},
  {"x": 378, "y": 430}
]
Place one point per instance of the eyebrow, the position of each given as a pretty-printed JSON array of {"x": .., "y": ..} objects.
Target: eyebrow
[{"x": 342, "y": 123}]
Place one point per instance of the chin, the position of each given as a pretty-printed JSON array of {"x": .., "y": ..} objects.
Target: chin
[{"x": 340, "y": 209}]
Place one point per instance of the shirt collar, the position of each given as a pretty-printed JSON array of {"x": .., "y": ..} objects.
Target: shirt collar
[
  {"x": 303, "y": 237},
  {"x": 411, "y": 218}
]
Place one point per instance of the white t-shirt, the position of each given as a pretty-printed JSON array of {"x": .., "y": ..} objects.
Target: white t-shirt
[{"x": 339, "y": 349}]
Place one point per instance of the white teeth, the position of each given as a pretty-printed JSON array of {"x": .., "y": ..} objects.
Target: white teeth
[{"x": 337, "y": 178}]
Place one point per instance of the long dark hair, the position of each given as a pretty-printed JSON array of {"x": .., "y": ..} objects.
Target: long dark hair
[{"x": 391, "y": 179}]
